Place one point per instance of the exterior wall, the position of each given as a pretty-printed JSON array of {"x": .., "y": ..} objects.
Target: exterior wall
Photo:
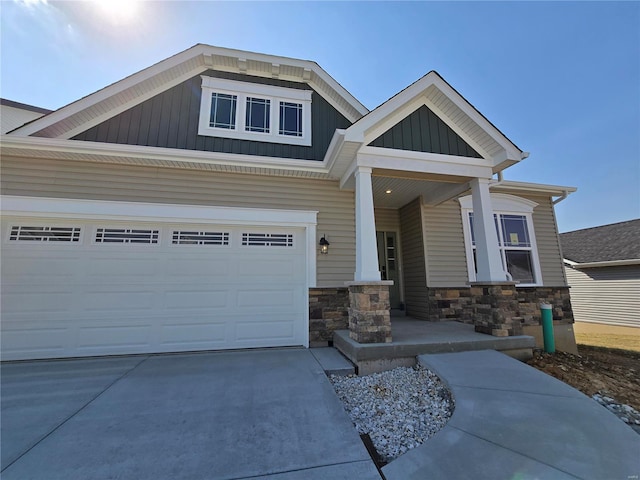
[
  {"x": 522, "y": 304},
  {"x": 82, "y": 180},
  {"x": 170, "y": 119},
  {"x": 387, "y": 220},
  {"x": 423, "y": 131},
  {"x": 328, "y": 312},
  {"x": 444, "y": 245},
  {"x": 608, "y": 295},
  {"x": 413, "y": 260},
  {"x": 444, "y": 240},
  {"x": 549, "y": 250}
]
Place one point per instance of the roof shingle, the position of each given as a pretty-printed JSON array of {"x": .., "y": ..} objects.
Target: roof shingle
[{"x": 617, "y": 241}]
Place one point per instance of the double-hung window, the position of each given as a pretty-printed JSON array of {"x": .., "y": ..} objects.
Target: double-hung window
[
  {"x": 252, "y": 111},
  {"x": 516, "y": 239}
]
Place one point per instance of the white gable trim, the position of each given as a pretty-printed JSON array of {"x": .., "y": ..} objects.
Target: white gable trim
[
  {"x": 143, "y": 85},
  {"x": 420, "y": 93}
]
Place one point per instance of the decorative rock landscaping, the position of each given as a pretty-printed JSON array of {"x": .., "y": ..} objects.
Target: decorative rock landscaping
[{"x": 399, "y": 409}]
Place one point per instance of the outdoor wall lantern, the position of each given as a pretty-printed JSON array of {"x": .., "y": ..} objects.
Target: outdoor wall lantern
[{"x": 324, "y": 245}]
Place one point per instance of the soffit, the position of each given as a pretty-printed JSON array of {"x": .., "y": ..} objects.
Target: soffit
[{"x": 405, "y": 190}]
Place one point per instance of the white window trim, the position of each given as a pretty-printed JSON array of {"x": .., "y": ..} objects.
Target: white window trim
[
  {"x": 508, "y": 205},
  {"x": 243, "y": 90}
]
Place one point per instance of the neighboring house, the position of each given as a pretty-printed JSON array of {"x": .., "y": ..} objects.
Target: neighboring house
[
  {"x": 187, "y": 207},
  {"x": 15, "y": 114},
  {"x": 603, "y": 269}
]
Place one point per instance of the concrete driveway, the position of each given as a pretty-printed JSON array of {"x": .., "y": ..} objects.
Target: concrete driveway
[{"x": 226, "y": 415}]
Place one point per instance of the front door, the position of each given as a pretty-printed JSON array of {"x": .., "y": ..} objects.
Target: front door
[{"x": 388, "y": 261}]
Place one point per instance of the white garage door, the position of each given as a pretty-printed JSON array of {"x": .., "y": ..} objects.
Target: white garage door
[{"x": 81, "y": 288}]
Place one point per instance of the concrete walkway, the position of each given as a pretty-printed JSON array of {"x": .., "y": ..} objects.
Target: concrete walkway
[
  {"x": 514, "y": 422},
  {"x": 230, "y": 415}
]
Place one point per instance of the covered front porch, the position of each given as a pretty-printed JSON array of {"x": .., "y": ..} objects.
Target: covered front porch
[{"x": 413, "y": 337}]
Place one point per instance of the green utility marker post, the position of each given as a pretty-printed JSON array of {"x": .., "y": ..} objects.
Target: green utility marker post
[{"x": 547, "y": 328}]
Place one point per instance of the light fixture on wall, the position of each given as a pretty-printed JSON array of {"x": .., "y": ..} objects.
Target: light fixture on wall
[{"x": 324, "y": 246}]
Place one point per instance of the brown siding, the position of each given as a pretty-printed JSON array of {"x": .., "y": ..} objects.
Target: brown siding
[
  {"x": 413, "y": 260},
  {"x": 170, "y": 119},
  {"x": 81, "y": 180}
]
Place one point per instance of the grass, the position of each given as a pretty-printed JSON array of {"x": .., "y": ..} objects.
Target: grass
[{"x": 618, "y": 342}]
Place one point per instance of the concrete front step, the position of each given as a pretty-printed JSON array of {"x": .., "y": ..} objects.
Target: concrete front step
[
  {"x": 416, "y": 337},
  {"x": 332, "y": 362}
]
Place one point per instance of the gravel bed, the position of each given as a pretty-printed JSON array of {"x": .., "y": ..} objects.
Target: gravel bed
[
  {"x": 399, "y": 409},
  {"x": 626, "y": 413}
]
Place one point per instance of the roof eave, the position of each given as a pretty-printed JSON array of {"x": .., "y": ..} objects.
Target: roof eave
[{"x": 609, "y": 263}]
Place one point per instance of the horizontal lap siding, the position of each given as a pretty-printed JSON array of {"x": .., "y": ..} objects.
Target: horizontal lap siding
[
  {"x": 413, "y": 263},
  {"x": 444, "y": 240},
  {"x": 544, "y": 224},
  {"x": 606, "y": 295},
  {"x": 79, "y": 180},
  {"x": 387, "y": 220},
  {"x": 446, "y": 255}
]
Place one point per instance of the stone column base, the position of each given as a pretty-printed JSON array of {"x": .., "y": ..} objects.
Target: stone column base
[
  {"x": 495, "y": 309},
  {"x": 369, "y": 312}
]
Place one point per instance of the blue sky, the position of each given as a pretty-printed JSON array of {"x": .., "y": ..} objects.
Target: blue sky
[{"x": 560, "y": 79}]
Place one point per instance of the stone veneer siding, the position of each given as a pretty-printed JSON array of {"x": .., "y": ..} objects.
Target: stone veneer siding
[
  {"x": 499, "y": 310},
  {"x": 328, "y": 312},
  {"x": 369, "y": 313}
]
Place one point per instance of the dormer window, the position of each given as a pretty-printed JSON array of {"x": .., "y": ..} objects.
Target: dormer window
[{"x": 250, "y": 111}]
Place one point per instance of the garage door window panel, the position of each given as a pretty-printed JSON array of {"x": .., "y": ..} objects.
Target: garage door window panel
[
  {"x": 135, "y": 236},
  {"x": 267, "y": 240},
  {"x": 193, "y": 237},
  {"x": 25, "y": 233}
]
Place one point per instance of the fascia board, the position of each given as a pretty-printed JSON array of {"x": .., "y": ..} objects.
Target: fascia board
[
  {"x": 108, "y": 91},
  {"x": 512, "y": 151},
  {"x": 34, "y": 144},
  {"x": 404, "y": 103},
  {"x": 553, "y": 190},
  {"x": 422, "y": 162},
  {"x": 610, "y": 263},
  {"x": 359, "y": 130}
]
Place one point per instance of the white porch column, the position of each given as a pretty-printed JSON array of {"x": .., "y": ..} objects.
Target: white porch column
[
  {"x": 488, "y": 259},
  {"x": 367, "y": 268}
]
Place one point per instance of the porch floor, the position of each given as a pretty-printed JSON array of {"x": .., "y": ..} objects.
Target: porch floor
[{"x": 413, "y": 337}]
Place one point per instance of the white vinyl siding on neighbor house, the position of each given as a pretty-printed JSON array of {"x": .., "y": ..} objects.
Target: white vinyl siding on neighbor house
[
  {"x": 608, "y": 295},
  {"x": 132, "y": 295},
  {"x": 251, "y": 111},
  {"x": 81, "y": 180}
]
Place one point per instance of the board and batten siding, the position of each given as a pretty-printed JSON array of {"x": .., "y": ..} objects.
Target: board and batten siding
[
  {"x": 608, "y": 295},
  {"x": 424, "y": 131},
  {"x": 170, "y": 119},
  {"x": 446, "y": 256},
  {"x": 83, "y": 180},
  {"x": 413, "y": 260}
]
